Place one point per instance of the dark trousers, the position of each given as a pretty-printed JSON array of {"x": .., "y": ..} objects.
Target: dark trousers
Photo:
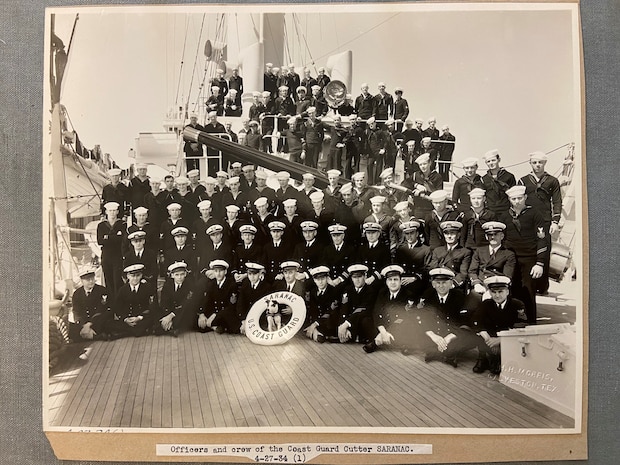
[
  {"x": 312, "y": 155},
  {"x": 112, "y": 272},
  {"x": 524, "y": 286}
]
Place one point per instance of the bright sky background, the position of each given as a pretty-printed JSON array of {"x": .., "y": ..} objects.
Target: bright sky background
[{"x": 502, "y": 79}]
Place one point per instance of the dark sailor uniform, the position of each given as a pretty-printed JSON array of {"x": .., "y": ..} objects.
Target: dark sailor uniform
[
  {"x": 93, "y": 308},
  {"x": 128, "y": 303},
  {"x": 219, "y": 299},
  {"x": 356, "y": 308},
  {"x": 110, "y": 237},
  {"x": 179, "y": 301},
  {"x": 323, "y": 308}
]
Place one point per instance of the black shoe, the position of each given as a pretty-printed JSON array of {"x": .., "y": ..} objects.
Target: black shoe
[
  {"x": 370, "y": 347},
  {"x": 174, "y": 333},
  {"x": 482, "y": 365},
  {"x": 320, "y": 339},
  {"x": 220, "y": 329},
  {"x": 431, "y": 357},
  {"x": 496, "y": 368},
  {"x": 405, "y": 352},
  {"x": 451, "y": 361}
]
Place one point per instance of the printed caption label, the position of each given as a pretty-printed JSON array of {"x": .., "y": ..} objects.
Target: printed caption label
[{"x": 289, "y": 453}]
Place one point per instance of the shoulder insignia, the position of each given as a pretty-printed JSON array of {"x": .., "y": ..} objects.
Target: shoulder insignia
[
  {"x": 190, "y": 294},
  {"x": 521, "y": 314},
  {"x": 233, "y": 298},
  {"x": 104, "y": 298},
  {"x": 151, "y": 299},
  {"x": 541, "y": 233}
]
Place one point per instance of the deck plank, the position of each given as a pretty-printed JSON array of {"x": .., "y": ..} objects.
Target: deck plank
[{"x": 212, "y": 380}]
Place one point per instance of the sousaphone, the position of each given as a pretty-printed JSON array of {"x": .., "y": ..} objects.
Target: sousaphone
[{"x": 335, "y": 93}]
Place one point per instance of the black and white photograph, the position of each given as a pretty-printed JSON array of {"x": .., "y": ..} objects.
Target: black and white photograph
[{"x": 306, "y": 219}]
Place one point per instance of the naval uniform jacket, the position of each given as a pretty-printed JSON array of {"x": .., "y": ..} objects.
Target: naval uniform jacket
[
  {"x": 526, "y": 234},
  {"x": 111, "y": 237},
  {"x": 484, "y": 266},
  {"x": 308, "y": 255},
  {"x": 165, "y": 232},
  {"x": 249, "y": 295},
  {"x": 181, "y": 301},
  {"x": 210, "y": 253},
  {"x": 495, "y": 190},
  {"x": 364, "y": 106},
  {"x": 472, "y": 234},
  {"x": 137, "y": 190},
  {"x": 338, "y": 260},
  {"x": 432, "y": 229},
  {"x": 187, "y": 254},
  {"x": 386, "y": 310},
  {"x": 456, "y": 311},
  {"x": 458, "y": 260},
  {"x": 299, "y": 287},
  {"x": 462, "y": 187},
  {"x": 92, "y": 308},
  {"x": 492, "y": 319},
  {"x": 274, "y": 256},
  {"x": 375, "y": 258},
  {"x": 544, "y": 195},
  {"x": 148, "y": 258},
  {"x": 320, "y": 310},
  {"x": 244, "y": 254},
  {"x": 132, "y": 304}
]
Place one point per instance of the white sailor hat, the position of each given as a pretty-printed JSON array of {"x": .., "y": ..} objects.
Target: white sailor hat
[
  {"x": 432, "y": 119},
  {"x": 308, "y": 226},
  {"x": 254, "y": 267},
  {"x": 538, "y": 156},
  {"x": 401, "y": 205},
  {"x": 232, "y": 208},
  {"x": 307, "y": 176},
  {"x": 398, "y": 89},
  {"x": 193, "y": 115},
  {"x": 253, "y": 123},
  {"x": 111, "y": 206},
  {"x": 441, "y": 273},
  {"x": 346, "y": 188},
  {"x": 301, "y": 89},
  {"x": 493, "y": 227},
  {"x": 317, "y": 196},
  {"x": 311, "y": 110},
  {"x": 266, "y": 93},
  {"x": 276, "y": 226},
  {"x": 219, "y": 71},
  {"x": 386, "y": 172},
  {"x": 140, "y": 210},
  {"x": 283, "y": 175},
  {"x": 275, "y": 69},
  {"x": 215, "y": 88},
  {"x": 135, "y": 268},
  {"x": 141, "y": 166},
  {"x": 173, "y": 206},
  {"x": 419, "y": 120},
  {"x": 438, "y": 196},
  {"x": 471, "y": 161},
  {"x": 337, "y": 118},
  {"x": 182, "y": 180},
  {"x": 177, "y": 266},
  {"x": 389, "y": 121},
  {"x": 497, "y": 281},
  {"x": 210, "y": 180},
  {"x": 233, "y": 180},
  {"x": 270, "y": 65},
  {"x": 236, "y": 164},
  {"x": 371, "y": 227},
  {"x": 218, "y": 264},
  {"x": 377, "y": 199},
  {"x": 283, "y": 88},
  {"x": 426, "y": 139},
  {"x": 291, "y": 121},
  {"x": 114, "y": 172},
  {"x": 410, "y": 143},
  {"x": 214, "y": 229},
  {"x": 86, "y": 273},
  {"x": 192, "y": 173},
  {"x": 357, "y": 268},
  {"x": 248, "y": 228},
  {"x": 450, "y": 226},
  {"x": 491, "y": 154},
  {"x": 212, "y": 113},
  {"x": 359, "y": 175},
  {"x": 445, "y": 128},
  {"x": 233, "y": 91},
  {"x": 391, "y": 269},
  {"x": 256, "y": 94},
  {"x": 370, "y": 120},
  {"x": 333, "y": 172},
  {"x": 319, "y": 271},
  {"x": 410, "y": 226},
  {"x": 290, "y": 202},
  {"x": 515, "y": 190},
  {"x": 476, "y": 192},
  {"x": 222, "y": 174},
  {"x": 204, "y": 204},
  {"x": 424, "y": 158},
  {"x": 291, "y": 65},
  {"x": 260, "y": 174},
  {"x": 408, "y": 122},
  {"x": 336, "y": 229},
  {"x": 381, "y": 84},
  {"x": 136, "y": 235},
  {"x": 290, "y": 264},
  {"x": 179, "y": 231},
  {"x": 261, "y": 201}
]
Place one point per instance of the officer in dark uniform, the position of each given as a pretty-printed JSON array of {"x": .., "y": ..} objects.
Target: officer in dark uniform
[
  {"x": 337, "y": 256},
  {"x": 289, "y": 282},
  {"x": 251, "y": 290},
  {"x": 309, "y": 251},
  {"x": 276, "y": 250},
  {"x": 135, "y": 305},
  {"x": 499, "y": 313},
  {"x": 216, "y": 249},
  {"x": 373, "y": 253},
  {"x": 110, "y": 236},
  {"x": 413, "y": 255},
  {"x": 491, "y": 260},
  {"x": 389, "y": 309},
  {"x": 249, "y": 251},
  {"x": 182, "y": 251},
  {"x": 452, "y": 255},
  {"x": 217, "y": 301},
  {"x": 323, "y": 307},
  {"x": 138, "y": 253},
  {"x": 91, "y": 309},
  {"x": 177, "y": 302},
  {"x": 358, "y": 299}
]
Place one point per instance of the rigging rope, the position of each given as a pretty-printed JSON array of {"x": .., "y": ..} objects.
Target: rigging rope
[
  {"x": 303, "y": 36},
  {"x": 191, "y": 83},
  {"x": 176, "y": 99}
]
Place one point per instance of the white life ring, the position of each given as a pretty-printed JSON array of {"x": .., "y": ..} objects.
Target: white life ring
[{"x": 291, "y": 313}]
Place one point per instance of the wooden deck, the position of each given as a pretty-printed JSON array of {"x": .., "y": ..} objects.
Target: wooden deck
[{"x": 211, "y": 380}]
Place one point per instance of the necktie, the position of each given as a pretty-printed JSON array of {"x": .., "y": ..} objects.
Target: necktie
[{"x": 87, "y": 293}]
